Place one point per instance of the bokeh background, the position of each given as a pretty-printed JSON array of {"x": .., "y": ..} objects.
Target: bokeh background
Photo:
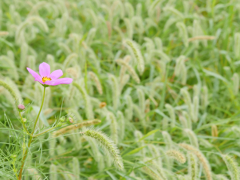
[{"x": 157, "y": 73}]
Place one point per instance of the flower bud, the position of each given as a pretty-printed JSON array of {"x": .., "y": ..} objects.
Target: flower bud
[
  {"x": 70, "y": 120},
  {"x": 21, "y": 107},
  {"x": 59, "y": 124},
  {"x": 62, "y": 119},
  {"x": 24, "y": 120}
]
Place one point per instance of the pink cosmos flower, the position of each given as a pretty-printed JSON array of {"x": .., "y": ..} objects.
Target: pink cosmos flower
[{"x": 47, "y": 78}]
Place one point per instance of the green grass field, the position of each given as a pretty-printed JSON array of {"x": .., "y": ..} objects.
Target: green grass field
[{"x": 155, "y": 91}]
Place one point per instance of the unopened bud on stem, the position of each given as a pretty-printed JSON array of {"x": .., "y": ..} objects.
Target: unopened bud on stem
[{"x": 21, "y": 107}]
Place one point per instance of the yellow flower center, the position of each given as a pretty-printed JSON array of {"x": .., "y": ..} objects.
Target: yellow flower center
[{"x": 44, "y": 79}]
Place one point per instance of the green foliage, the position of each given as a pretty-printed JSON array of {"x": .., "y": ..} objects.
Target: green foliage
[{"x": 155, "y": 72}]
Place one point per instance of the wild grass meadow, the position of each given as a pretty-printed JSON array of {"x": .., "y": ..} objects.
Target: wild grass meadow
[{"x": 140, "y": 89}]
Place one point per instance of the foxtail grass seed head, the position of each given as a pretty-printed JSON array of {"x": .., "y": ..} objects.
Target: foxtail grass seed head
[
  {"x": 165, "y": 124},
  {"x": 74, "y": 72},
  {"x": 214, "y": 130},
  {"x": 195, "y": 108},
  {"x": 235, "y": 79},
  {"x": 76, "y": 168},
  {"x": 130, "y": 70},
  {"x": 97, "y": 82},
  {"x": 129, "y": 110},
  {"x": 236, "y": 46},
  {"x": 232, "y": 166},
  {"x": 204, "y": 97},
  {"x": 186, "y": 97},
  {"x": 140, "y": 115},
  {"x": 183, "y": 33},
  {"x": 141, "y": 97},
  {"x": 115, "y": 90},
  {"x": 151, "y": 173},
  {"x": 201, "y": 38},
  {"x": 180, "y": 157},
  {"x": 236, "y": 129},
  {"x": 113, "y": 127},
  {"x": 127, "y": 59},
  {"x": 86, "y": 98},
  {"x": 10, "y": 90},
  {"x": 129, "y": 9},
  {"x": 196, "y": 90},
  {"x": 123, "y": 81},
  {"x": 221, "y": 177},
  {"x": 174, "y": 12},
  {"x": 121, "y": 122},
  {"x": 189, "y": 121},
  {"x": 193, "y": 169},
  {"x": 188, "y": 101},
  {"x": 101, "y": 164},
  {"x": 34, "y": 173},
  {"x": 171, "y": 113},
  {"x": 53, "y": 172},
  {"x": 9, "y": 61},
  {"x": 167, "y": 139},
  {"x": 158, "y": 43},
  {"x": 192, "y": 137},
  {"x": 138, "y": 21},
  {"x": 136, "y": 53},
  {"x": 201, "y": 158},
  {"x": 179, "y": 61},
  {"x": 108, "y": 145},
  {"x": 95, "y": 148},
  {"x": 75, "y": 126},
  {"x": 129, "y": 27},
  {"x": 138, "y": 135},
  {"x": 70, "y": 60},
  {"x": 163, "y": 56},
  {"x": 91, "y": 35},
  {"x": 24, "y": 53},
  {"x": 139, "y": 9}
]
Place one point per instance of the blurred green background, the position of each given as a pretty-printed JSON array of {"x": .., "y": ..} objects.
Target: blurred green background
[{"x": 156, "y": 73}]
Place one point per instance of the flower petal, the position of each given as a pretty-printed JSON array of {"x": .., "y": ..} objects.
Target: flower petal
[
  {"x": 56, "y": 74},
  {"x": 59, "y": 81},
  {"x": 44, "y": 69},
  {"x": 35, "y": 75}
]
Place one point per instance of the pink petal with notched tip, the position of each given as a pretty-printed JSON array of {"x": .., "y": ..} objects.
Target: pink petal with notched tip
[
  {"x": 56, "y": 74},
  {"x": 35, "y": 75},
  {"x": 59, "y": 81},
  {"x": 44, "y": 69}
]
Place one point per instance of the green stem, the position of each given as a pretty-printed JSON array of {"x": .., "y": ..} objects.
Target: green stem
[
  {"x": 39, "y": 111},
  {"x": 23, "y": 123},
  {"x": 31, "y": 138}
]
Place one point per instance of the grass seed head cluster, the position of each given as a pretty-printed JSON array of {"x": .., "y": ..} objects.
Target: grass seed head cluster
[{"x": 155, "y": 81}]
